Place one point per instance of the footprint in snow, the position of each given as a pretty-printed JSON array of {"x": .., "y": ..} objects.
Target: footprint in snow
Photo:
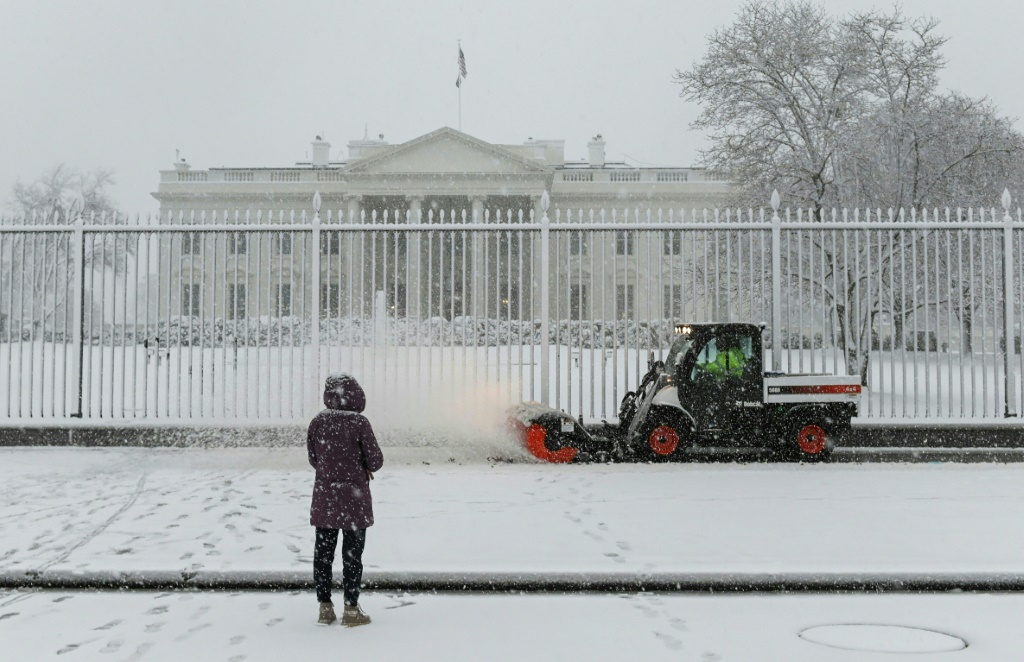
[
  {"x": 73, "y": 647},
  {"x": 140, "y": 650},
  {"x": 264, "y": 606},
  {"x": 192, "y": 631},
  {"x": 10, "y": 614},
  {"x": 162, "y": 609},
  {"x": 112, "y": 646},
  {"x": 107, "y": 626},
  {"x": 237, "y": 639},
  {"x": 155, "y": 627},
  {"x": 670, "y": 642},
  {"x": 274, "y": 621}
]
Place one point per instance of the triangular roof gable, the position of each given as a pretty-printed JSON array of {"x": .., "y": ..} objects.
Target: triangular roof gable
[{"x": 446, "y": 151}]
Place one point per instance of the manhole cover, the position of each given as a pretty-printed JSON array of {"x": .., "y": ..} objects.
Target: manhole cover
[{"x": 874, "y": 638}]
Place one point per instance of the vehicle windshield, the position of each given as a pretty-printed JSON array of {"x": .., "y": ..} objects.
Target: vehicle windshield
[{"x": 678, "y": 351}]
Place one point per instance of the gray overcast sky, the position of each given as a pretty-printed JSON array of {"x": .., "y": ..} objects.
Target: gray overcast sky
[{"x": 122, "y": 84}]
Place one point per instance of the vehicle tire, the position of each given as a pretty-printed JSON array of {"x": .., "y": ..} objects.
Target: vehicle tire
[
  {"x": 810, "y": 442},
  {"x": 659, "y": 443}
]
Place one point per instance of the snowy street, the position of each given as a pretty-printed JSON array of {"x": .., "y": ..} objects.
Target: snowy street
[
  {"x": 246, "y": 510},
  {"x": 64, "y": 509}
]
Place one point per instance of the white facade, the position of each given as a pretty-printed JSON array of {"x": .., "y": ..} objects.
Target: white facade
[{"x": 443, "y": 177}]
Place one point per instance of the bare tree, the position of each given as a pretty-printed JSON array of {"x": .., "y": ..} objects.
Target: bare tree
[
  {"x": 39, "y": 266},
  {"x": 846, "y": 112}
]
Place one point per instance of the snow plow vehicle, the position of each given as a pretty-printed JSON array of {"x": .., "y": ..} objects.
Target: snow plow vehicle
[{"x": 710, "y": 394}]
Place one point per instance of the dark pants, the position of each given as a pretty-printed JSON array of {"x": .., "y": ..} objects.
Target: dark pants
[{"x": 351, "y": 563}]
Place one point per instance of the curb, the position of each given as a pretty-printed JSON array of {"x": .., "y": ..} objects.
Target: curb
[{"x": 530, "y": 582}]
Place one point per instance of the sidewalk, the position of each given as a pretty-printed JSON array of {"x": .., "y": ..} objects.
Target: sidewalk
[
  {"x": 257, "y": 627},
  {"x": 246, "y": 510}
]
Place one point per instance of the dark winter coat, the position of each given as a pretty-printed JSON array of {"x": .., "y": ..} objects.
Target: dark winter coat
[{"x": 343, "y": 449}]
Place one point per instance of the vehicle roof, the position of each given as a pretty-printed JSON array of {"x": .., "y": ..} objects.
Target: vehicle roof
[{"x": 714, "y": 326}]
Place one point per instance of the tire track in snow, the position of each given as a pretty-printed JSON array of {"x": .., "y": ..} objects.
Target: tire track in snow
[{"x": 95, "y": 532}]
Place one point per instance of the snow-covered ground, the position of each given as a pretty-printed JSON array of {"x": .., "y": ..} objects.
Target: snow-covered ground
[
  {"x": 67, "y": 510},
  {"x": 257, "y": 627},
  {"x": 247, "y": 510}
]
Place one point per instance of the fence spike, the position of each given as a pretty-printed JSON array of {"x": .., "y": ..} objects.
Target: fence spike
[
  {"x": 316, "y": 202},
  {"x": 1006, "y": 200},
  {"x": 775, "y": 200}
]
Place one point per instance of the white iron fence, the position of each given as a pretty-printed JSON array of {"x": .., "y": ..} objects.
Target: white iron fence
[{"x": 241, "y": 317}]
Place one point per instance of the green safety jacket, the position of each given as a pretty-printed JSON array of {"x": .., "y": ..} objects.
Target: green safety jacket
[{"x": 728, "y": 363}]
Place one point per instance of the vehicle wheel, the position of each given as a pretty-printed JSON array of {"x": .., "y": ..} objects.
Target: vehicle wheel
[
  {"x": 811, "y": 443},
  {"x": 659, "y": 443}
]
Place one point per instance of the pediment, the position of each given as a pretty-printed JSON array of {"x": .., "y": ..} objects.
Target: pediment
[{"x": 446, "y": 151}]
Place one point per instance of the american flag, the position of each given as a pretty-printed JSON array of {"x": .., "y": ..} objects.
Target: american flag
[{"x": 462, "y": 68}]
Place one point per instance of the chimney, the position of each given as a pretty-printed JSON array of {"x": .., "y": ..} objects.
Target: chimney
[
  {"x": 321, "y": 152},
  {"x": 596, "y": 149}
]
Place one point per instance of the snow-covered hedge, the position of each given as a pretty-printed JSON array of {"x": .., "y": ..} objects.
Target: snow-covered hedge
[{"x": 436, "y": 331}]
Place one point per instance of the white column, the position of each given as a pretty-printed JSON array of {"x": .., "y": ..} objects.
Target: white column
[
  {"x": 414, "y": 280},
  {"x": 352, "y": 245},
  {"x": 479, "y": 268},
  {"x": 538, "y": 258}
]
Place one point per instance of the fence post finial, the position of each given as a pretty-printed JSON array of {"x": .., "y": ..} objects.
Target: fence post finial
[
  {"x": 545, "y": 201},
  {"x": 316, "y": 202},
  {"x": 1006, "y": 200},
  {"x": 775, "y": 200}
]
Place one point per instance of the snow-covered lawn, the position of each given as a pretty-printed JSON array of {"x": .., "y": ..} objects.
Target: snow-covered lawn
[
  {"x": 256, "y": 627},
  {"x": 66, "y": 509}
]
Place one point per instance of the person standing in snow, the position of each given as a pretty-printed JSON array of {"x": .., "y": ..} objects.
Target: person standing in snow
[{"x": 344, "y": 451}]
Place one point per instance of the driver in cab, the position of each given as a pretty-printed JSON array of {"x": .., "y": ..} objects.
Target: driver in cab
[{"x": 730, "y": 360}]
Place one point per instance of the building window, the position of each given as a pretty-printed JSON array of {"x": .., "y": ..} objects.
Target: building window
[
  {"x": 330, "y": 299},
  {"x": 284, "y": 243},
  {"x": 284, "y": 300},
  {"x": 624, "y": 302},
  {"x": 673, "y": 242},
  {"x": 577, "y": 244},
  {"x": 672, "y": 305},
  {"x": 624, "y": 243},
  {"x": 191, "y": 242},
  {"x": 190, "y": 300},
  {"x": 330, "y": 243},
  {"x": 237, "y": 243},
  {"x": 577, "y": 301},
  {"x": 236, "y": 301}
]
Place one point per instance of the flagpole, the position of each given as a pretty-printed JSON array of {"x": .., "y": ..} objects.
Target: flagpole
[{"x": 460, "y": 90}]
